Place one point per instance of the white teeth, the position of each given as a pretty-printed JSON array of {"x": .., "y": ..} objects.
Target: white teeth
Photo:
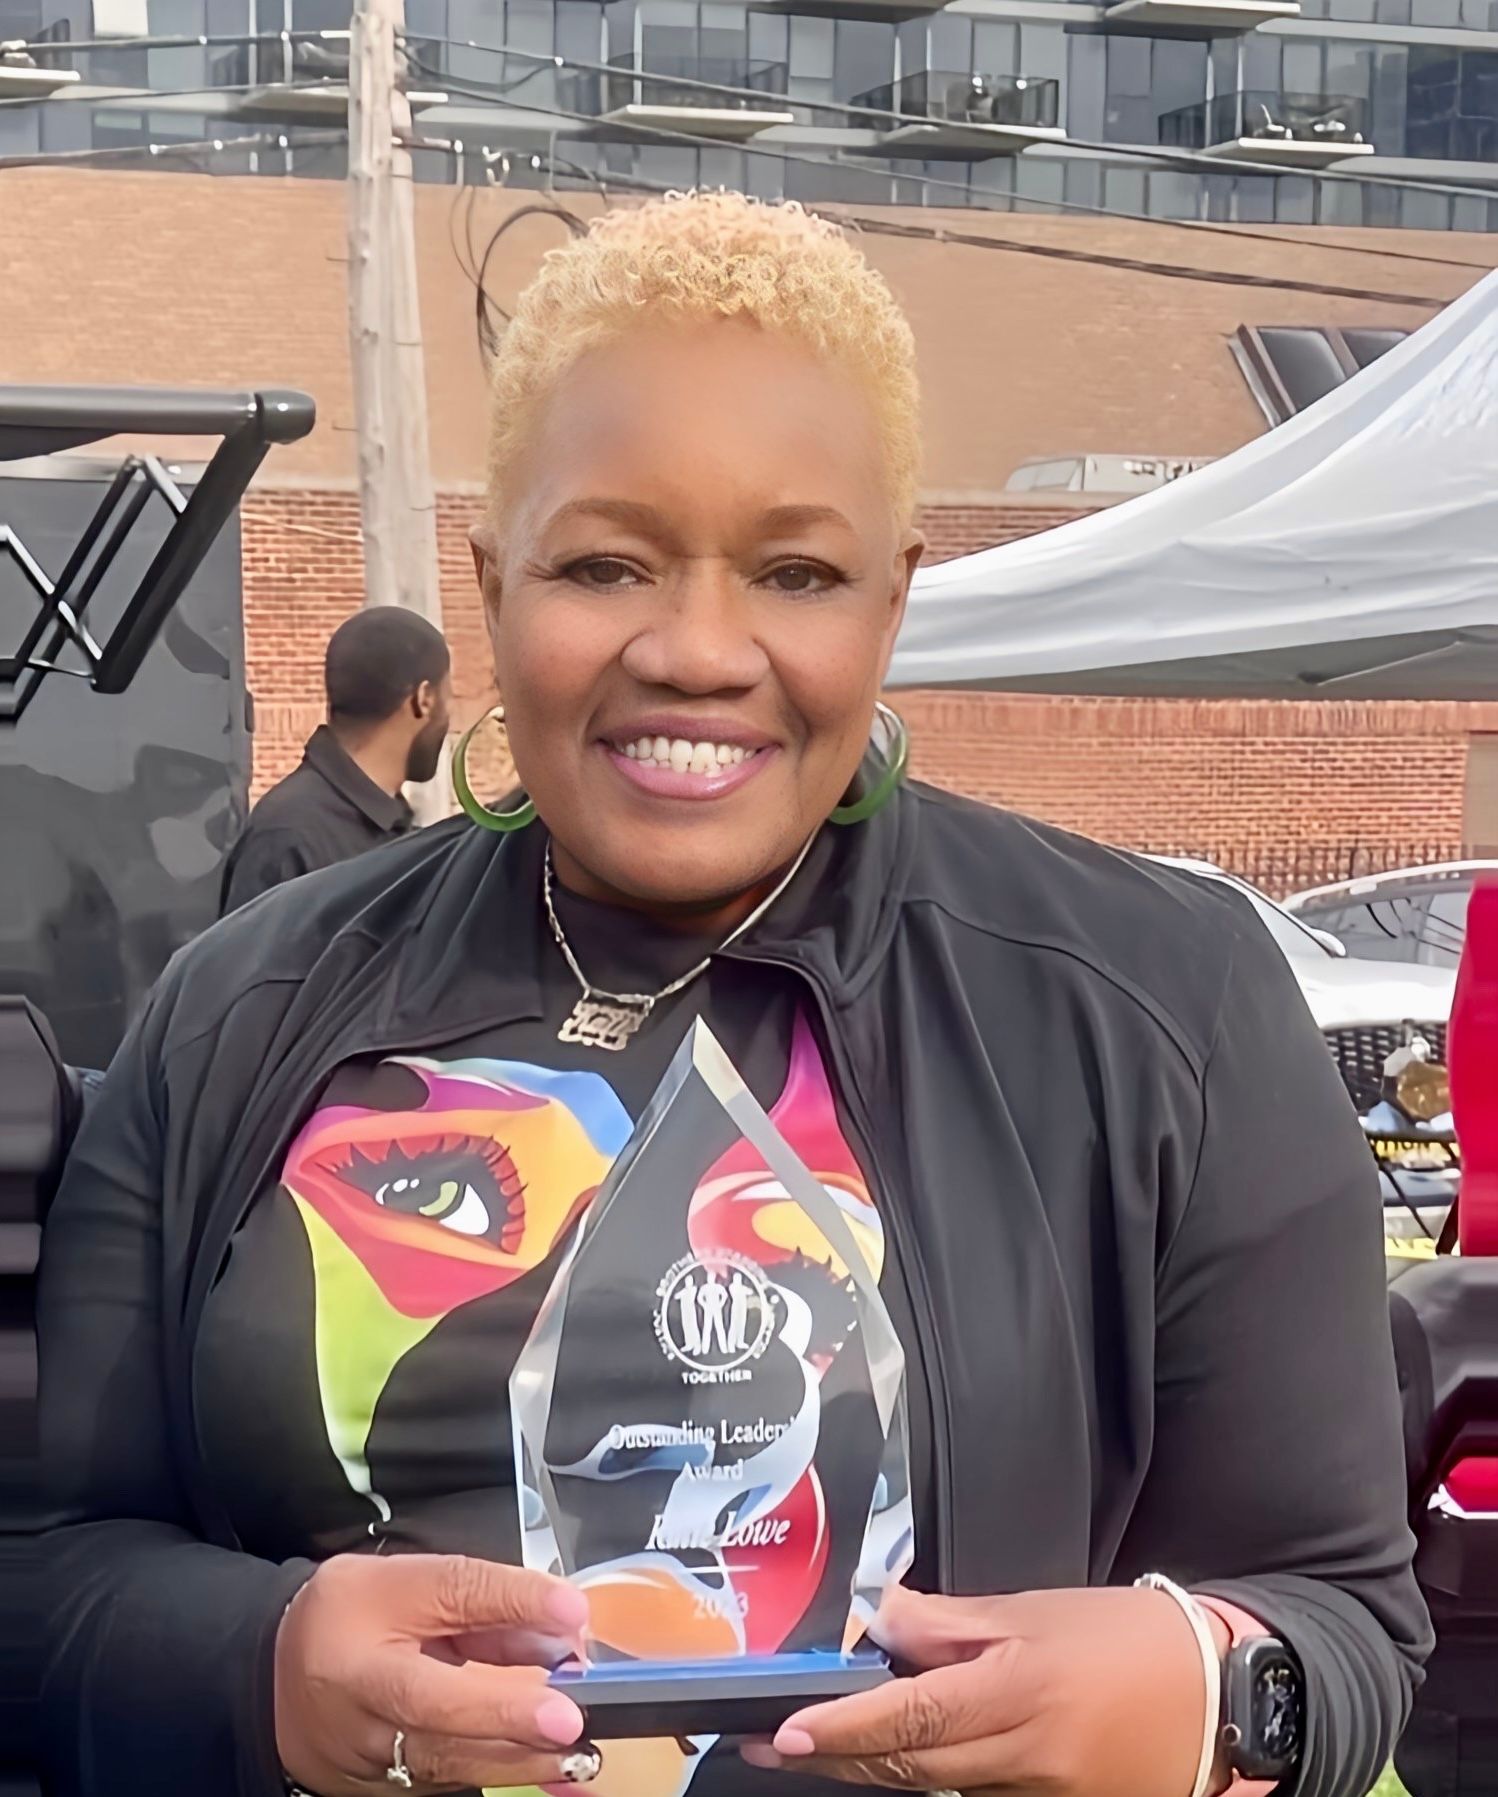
[{"x": 683, "y": 756}]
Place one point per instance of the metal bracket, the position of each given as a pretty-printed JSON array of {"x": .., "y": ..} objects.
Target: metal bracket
[{"x": 43, "y": 419}]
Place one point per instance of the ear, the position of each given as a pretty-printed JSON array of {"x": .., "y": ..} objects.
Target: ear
[
  {"x": 907, "y": 560},
  {"x": 423, "y": 701},
  {"x": 484, "y": 543}
]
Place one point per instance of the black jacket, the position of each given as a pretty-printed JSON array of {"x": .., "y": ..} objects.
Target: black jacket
[
  {"x": 324, "y": 811},
  {"x": 1141, "y": 1231}
]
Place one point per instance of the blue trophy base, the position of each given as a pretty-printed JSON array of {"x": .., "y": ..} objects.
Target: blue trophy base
[{"x": 639, "y": 1699}]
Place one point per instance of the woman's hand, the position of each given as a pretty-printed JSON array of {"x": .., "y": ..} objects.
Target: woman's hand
[
  {"x": 452, "y": 1652},
  {"x": 1093, "y": 1693}
]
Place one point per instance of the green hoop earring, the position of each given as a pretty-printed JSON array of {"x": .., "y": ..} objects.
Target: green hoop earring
[
  {"x": 480, "y": 813},
  {"x": 896, "y": 758}
]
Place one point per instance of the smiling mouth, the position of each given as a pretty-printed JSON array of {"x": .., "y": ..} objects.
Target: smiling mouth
[{"x": 679, "y": 755}]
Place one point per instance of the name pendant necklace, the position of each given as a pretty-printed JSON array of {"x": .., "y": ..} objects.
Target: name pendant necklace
[{"x": 611, "y": 1020}]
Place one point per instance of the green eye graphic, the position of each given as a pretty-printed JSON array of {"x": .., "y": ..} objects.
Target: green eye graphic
[{"x": 467, "y": 1185}]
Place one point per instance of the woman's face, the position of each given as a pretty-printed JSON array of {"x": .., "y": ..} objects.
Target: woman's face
[{"x": 692, "y": 597}]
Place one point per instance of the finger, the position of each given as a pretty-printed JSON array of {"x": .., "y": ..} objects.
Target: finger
[
  {"x": 503, "y": 1647},
  {"x": 449, "y": 1762},
  {"x": 934, "y": 1709},
  {"x": 971, "y": 1767},
  {"x": 449, "y": 1594},
  {"x": 474, "y": 1701},
  {"x": 936, "y": 1631}
]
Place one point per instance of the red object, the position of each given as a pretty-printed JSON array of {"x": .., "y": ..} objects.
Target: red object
[
  {"x": 1472, "y": 1056},
  {"x": 1474, "y": 1485}
]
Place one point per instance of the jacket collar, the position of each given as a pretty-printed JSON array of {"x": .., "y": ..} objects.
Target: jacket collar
[
  {"x": 326, "y": 756},
  {"x": 477, "y": 942}
]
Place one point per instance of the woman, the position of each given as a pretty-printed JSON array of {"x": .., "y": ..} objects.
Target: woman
[{"x": 1134, "y": 1253}]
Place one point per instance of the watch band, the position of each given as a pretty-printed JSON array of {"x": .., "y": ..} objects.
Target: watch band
[
  {"x": 1240, "y": 1627},
  {"x": 1196, "y": 1615}
]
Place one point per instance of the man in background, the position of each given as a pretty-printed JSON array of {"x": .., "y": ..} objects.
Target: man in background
[{"x": 389, "y": 693}]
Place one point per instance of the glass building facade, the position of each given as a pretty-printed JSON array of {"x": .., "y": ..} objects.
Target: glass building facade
[{"x": 1406, "y": 88}]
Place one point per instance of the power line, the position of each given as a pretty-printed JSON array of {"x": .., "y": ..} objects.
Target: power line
[
  {"x": 1208, "y": 226},
  {"x": 834, "y": 210},
  {"x": 657, "y": 132},
  {"x": 1097, "y": 258},
  {"x": 1174, "y": 158},
  {"x": 197, "y": 40},
  {"x": 843, "y": 108},
  {"x": 201, "y": 148},
  {"x": 141, "y": 98}
]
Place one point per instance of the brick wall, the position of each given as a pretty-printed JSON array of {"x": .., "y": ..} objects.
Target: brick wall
[
  {"x": 1285, "y": 792},
  {"x": 963, "y": 528}
]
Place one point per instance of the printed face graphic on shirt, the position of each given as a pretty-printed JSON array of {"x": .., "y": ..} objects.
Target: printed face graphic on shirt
[{"x": 412, "y": 1213}]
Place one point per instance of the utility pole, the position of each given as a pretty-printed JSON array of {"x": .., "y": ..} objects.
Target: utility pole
[{"x": 397, "y": 504}]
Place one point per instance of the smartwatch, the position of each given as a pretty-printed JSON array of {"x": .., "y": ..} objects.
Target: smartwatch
[{"x": 1263, "y": 1709}]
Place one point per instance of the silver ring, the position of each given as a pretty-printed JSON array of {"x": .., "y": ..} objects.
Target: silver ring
[
  {"x": 398, "y": 1772},
  {"x": 581, "y": 1766}
]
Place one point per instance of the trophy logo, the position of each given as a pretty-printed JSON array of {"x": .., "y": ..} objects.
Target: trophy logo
[{"x": 714, "y": 1316}]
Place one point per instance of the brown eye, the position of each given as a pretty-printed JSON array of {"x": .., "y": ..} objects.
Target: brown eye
[
  {"x": 800, "y": 577},
  {"x": 603, "y": 571}
]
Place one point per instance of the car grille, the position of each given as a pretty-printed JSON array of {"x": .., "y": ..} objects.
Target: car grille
[{"x": 1360, "y": 1055}]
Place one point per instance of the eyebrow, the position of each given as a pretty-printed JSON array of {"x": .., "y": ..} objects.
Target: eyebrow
[{"x": 645, "y": 518}]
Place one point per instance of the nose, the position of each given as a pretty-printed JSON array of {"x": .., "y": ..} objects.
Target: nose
[{"x": 700, "y": 636}]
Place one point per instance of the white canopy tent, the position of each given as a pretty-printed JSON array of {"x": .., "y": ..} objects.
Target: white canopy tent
[{"x": 1351, "y": 553}]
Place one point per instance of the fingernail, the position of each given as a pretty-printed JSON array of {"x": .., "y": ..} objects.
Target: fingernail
[
  {"x": 582, "y": 1767},
  {"x": 568, "y": 1607},
  {"x": 794, "y": 1743},
  {"x": 560, "y": 1720},
  {"x": 761, "y": 1754}
]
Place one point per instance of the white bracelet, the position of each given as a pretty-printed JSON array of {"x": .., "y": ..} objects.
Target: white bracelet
[{"x": 1211, "y": 1672}]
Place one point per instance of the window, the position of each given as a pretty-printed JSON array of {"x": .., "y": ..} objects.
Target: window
[
  {"x": 1288, "y": 369},
  {"x": 1425, "y": 926},
  {"x": 1452, "y": 103}
]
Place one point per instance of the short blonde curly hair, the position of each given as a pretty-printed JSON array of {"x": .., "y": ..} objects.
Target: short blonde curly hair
[{"x": 710, "y": 255}]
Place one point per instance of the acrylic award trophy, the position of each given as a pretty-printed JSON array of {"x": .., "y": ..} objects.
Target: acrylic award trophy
[{"x": 709, "y": 1424}]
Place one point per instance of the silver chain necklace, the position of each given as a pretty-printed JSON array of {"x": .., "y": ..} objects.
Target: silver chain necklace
[{"x": 611, "y": 1020}]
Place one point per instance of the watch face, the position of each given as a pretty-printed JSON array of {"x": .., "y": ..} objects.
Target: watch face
[
  {"x": 1266, "y": 1709},
  {"x": 1277, "y": 1720}
]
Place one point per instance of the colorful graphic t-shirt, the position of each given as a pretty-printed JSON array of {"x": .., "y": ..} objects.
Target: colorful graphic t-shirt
[{"x": 353, "y": 1368}]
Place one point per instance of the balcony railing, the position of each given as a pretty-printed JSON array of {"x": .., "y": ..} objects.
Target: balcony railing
[
  {"x": 946, "y": 97},
  {"x": 629, "y": 84},
  {"x": 1328, "y": 122},
  {"x": 279, "y": 61}
]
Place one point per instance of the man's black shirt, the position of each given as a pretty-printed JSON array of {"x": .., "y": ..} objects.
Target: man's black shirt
[{"x": 326, "y": 811}]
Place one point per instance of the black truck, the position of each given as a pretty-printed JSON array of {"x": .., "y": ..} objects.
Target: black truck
[{"x": 124, "y": 776}]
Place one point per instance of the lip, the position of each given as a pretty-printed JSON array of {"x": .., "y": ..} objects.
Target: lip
[{"x": 666, "y": 783}]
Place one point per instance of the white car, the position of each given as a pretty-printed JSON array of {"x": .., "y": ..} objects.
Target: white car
[
  {"x": 1367, "y": 1009},
  {"x": 1410, "y": 914}
]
